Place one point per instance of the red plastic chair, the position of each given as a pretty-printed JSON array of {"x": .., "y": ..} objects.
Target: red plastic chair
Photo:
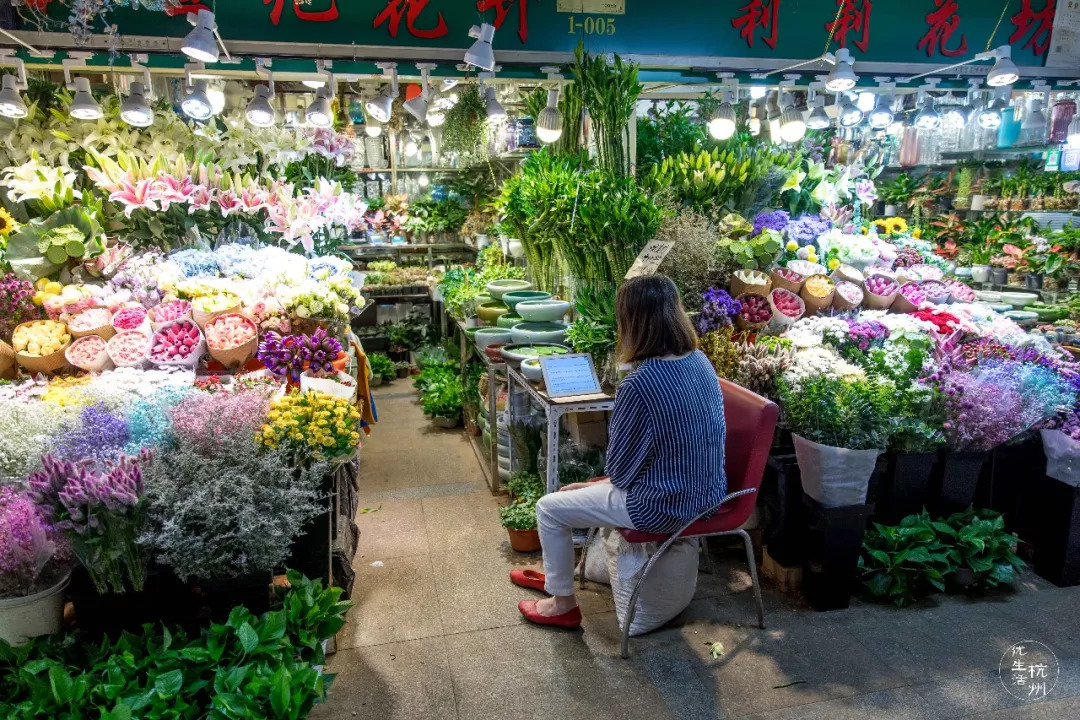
[{"x": 751, "y": 420}]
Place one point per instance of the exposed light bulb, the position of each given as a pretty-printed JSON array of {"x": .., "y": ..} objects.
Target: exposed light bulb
[
  {"x": 722, "y": 122},
  {"x": 792, "y": 127},
  {"x": 372, "y": 128},
  {"x": 550, "y": 120},
  {"x": 196, "y": 104},
  {"x": 135, "y": 110},
  {"x": 866, "y": 101},
  {"x": 83, "y": 104}
]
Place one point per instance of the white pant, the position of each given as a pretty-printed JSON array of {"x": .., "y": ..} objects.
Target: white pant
[{"x": 601, "y": 505}]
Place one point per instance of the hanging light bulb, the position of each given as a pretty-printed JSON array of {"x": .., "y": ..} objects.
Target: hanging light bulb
[
  {"x": 373, "y": 128},
  {"x": 550, "y": 120},
  {"x": 381, "y": 106},
  {"x": 989, "y": 117},
  {"x": 83, "y": 105},
  {"x": 495, "y": 110},
  {"x": 196, "y": 104},
  {"x": 136, "y": 111},
  {"x": 412, "y": 147},
  {"x": 842, "y": 77},
  {"x": 200, "y": 44},
  {"x": 848, "y": 113},
  {"x": 320, "y": 112},
  {"x": 927, "y": 118},
  {"x": 260, "y": 112},
  {"x": 882, "y": 115},
  {"x": 722, "y": 122},
  {"x": 792, "y": 127},
  {"x": 818, "y": 119},
  {"x": 11, "y": 102},
  {"x": 1004, "y": 71}
]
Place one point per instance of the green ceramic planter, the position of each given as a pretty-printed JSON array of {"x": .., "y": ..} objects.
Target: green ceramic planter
[
  {"x": 491, "y": 336},
  {"x": 490, "y": 312},
  {"x": 509, "y": 320},
  {"x": 543, "y": 310},
  {"x": 526, "y": 333},
  {"x": 532, "y": 371},
  {"x": 511, "y": 299},
  {"x": 496, "y": 288},
  {"x": 514, "y": 354}
]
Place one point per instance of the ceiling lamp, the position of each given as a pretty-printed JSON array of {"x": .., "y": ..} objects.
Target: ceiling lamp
[
  {"x": 200, "y": 44},
  {"x": 848, "y": 113},
  {"x": 1004, "y": 71},
  {"x": 927, "y": 118},
  {"x": 83, "y": 104},
  {"x": 319, "y": 79},
  {"x": 320, "y": 112},
  {"x": 882, "y": 115},
  {"x": 818, "y": 118},
  {"x": 136, "y": 110},
  {"x": 418, "y": 106},
  {"x": 842, "y": 77},
  {"x": 12, "y": 104},
  {"x": 260, "y": 112},
  {"x": 495, "y": 110},
  {"x": 549, "y": 123},
  {"x": 480, "y": 54},
  {"x": 373, "y": 128},
  {"x": 722, "y": 121},
  {"x": 989, "y": 117},
  {"x": 792, "y": 127},
  {"x": 196, "y": 104},
  {"x": 381, "y": 106}
]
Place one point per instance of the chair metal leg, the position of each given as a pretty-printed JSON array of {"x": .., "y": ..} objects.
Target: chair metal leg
[
  {"x": 753, "y": 577},
  {"x": 584, "y": 552},
  {"x": 709, "y": 569}
]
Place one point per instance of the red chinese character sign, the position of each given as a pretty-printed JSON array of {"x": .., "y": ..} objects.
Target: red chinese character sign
[
  {"x": 853, "y": 17},
  {"x": 410, "y": 10},
  {"x": 942, "y": 23},
  {"x": 1039, "y": 23},
  {"x": 327, "y": 15},
  {"x": 755, "y": 14}
]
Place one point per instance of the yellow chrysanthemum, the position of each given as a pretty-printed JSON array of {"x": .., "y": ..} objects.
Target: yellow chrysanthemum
[
  {"x": 7, "y": 223},
  {"x": 834, "y": 263},
  {"x": 792, "y": 246},
  {"x": 916, "y": 233}
]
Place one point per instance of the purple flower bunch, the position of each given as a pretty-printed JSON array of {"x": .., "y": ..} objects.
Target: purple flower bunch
[
  {"x": 16, "y": 304},
  {"x": 718, "y": 311},
  {"x": 289, "y": 355},
  {"x": 805, "y": 229},
  {"x": 998, "y": 400},
  {"x": 27, "y": 546},
  {"x": 771, "y": 220},
  {"x": 100, "y": 435},
  {"x": 866, "y": 333},
  {"x": 100, "y": 510},
  {"x": 906, "y": 257}
]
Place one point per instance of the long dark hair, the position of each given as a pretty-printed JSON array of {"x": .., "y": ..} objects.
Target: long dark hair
[{"x": 651, "y": 319}]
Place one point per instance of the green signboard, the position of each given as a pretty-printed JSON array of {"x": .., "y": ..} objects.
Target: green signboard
[{"x": 934, "y": 31}]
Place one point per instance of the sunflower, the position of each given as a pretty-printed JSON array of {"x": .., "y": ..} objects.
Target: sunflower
[
  {"x": 897, "y": 225},
  {"x": 7, "y": 223},
  {"x": 883, "y": 225}
]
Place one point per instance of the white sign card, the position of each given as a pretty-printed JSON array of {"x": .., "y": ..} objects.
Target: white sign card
[
  {"x": 1065, "y": 39},
  {"x": 650, "y": 258},
  {"x": 600, "y": 7},
  {"x": 569, "y": 375}
]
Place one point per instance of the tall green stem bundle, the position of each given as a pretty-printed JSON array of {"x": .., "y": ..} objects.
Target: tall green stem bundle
[{"x": 609, "y": 94}]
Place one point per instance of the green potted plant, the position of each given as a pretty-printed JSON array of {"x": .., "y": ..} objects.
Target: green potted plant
[
  {"x": 382, "y": 369},
  {"x": 898, "y": 193},
  {"x": 965, "y": 181},
  {"x": 979, "y": 253},
  {"x": 443, "y": 400},
  {"x": 402, "y": 368},
  {"x": 519, "y": 519}
]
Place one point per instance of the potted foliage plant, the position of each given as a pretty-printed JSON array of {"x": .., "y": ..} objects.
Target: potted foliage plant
[
  {"x": 443, "y": 400},
  {"x": 382, "y": 369},
  {"x": 33, "y": 573},
  {"x": 839, "y": 428},
  {"x": 897, "y": 194},
  {"x": 979, "y": 253},
  {"x": 519, "y": 519}
]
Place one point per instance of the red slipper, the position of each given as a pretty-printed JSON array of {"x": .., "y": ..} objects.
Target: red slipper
[
  {"x": 570, "y": 619},
  {"x": 528, "y": 579}
]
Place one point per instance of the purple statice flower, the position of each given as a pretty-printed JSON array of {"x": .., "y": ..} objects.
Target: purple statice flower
[
  {"x": 866, "y": 333},
  {"x": 719, "y": 310},
  {"x": 805, "y": 229},
  {"x": 16, "y": 304},
  {"x": 26, "y": 543},
  {"x": 772, "y": 220},
  {"x": 100, "y": 435}
]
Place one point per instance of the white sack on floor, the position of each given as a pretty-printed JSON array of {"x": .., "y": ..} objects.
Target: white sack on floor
[{"x": 666, "y": 593}]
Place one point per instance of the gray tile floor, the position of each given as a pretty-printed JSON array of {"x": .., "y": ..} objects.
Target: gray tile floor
[{"x": 435, "y": 633}]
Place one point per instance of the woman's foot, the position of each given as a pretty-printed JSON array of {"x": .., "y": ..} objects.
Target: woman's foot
[
  {"x": 570, "y": 619},
  {"x": 556, "y": 605}
]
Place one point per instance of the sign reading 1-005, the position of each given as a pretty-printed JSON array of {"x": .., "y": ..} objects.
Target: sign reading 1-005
[{"x": 591, "y": 25}]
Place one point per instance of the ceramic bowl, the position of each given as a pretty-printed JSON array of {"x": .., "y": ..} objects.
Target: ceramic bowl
[
  {"x": 489, "y": 312},
  {"x": 1018, "y": 299},
  {"x": 530, "y": 368},
  {"x": 515, "y": 353},
  {"x": 542, "y": 310},
  {"x": 1001, "y": 307},
  {"x": 494, "y": 352},
  {"x": 988, "y": 296},
  {"x": 470, "y": 333},
  {"x": 512, "y": 298},
  {"x": 1020, "y": 315},
  {"x": 528, "y": 332},
  {"x": 497, "y": 288},
  {"x": 509, "y": 320},
  {"x": 492, "y": 336}
]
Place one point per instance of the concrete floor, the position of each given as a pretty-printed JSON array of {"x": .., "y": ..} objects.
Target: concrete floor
[{"x": 435, "y": 633}]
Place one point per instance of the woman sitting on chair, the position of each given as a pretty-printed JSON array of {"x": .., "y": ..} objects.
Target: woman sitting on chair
[{"x": 665, "y": 458}]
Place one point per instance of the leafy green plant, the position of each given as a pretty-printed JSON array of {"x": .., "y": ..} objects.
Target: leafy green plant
[
  {"x": 978, "y": 541},
  {"x": 899, "y": 191},
  {"x": 408, "y": 334},
  {"x": 594, "y": 331},
  {"x": 247, "y": 667},
  {"x": 314, "y": 167},
  {"x": 609, "y": 92},
  {"x": 900, "y": 564},
  {"x": 42, "y": 247},
  {"x": 441, "y": 393},
  {"x": 525, "y": 486},
  {"x": 382, "y": 366},
  {"x": 756, "y": 253},
  {"x": 520, "y": 515},
  {"x": 851, "y": 414},
  {"x": 465, "y": 127},
  {"x": 666, "y": 131},
  {"x": 570, "y": 105}
]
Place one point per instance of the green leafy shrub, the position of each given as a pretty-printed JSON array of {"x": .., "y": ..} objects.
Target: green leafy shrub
[
  {"x": 382, "y": 366},
  {"x": 979, "y": 542},
  {"x": 852, "y": 414},
  {"x": 443, "y": 397},
  {"x": 520, "y": 515},
  {"x": 248, "y": 667},
  {"x": 525, "y": 485}
]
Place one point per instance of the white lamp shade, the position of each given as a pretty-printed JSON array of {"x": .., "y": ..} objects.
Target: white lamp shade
[
  {"x": 136, "y": 111},
  {"x": 83, "y": 105},
  {"x": 792, "y": 127},
  {"x": 260, "y": 112},
  {"x": 196, "y": 104},
  {"x": 417, "y": 107},
  {"x": 495, "y": 110},
  {"x": 11, "y": 102},
  {"x": 480, "y": 54},
  {"x": 882, "y": 115},
  {"x": 1004, "y": 71},
  {"x": 380, "y": 106},
  {"x": 849, "y": 114},
  {"x": 320, "y": 112},
  {"x": 842, "y": 77},
  {"x": 200, "y": 44},
  {"x": 927, "y": 118},
  {"x": 818, "y": 119}
]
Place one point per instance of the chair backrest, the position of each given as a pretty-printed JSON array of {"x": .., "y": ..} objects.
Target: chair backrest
[{"x": 751, "y": 421}]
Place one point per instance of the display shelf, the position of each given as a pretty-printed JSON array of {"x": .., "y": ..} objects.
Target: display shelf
[
  {"x": 490, "y": 464},
  {"x": 430, "y": 169},
  {"x": 990, "y": 153}
]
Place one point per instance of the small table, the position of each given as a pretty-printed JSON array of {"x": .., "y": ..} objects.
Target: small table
[{"x": 554, "y": 409}]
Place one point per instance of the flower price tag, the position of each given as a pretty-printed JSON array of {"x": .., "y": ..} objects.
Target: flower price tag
[{"x": 650, "y": 257}]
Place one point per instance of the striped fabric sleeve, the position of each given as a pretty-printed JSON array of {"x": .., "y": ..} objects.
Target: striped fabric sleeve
[{"x": 629, "y": 438}]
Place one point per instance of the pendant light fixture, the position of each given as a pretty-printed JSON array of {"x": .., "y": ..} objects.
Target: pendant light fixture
[
  {"x": 927, "y": 118},
  {"x": 882, "y": 115},
  {"x": 495, "y": 111},
  {"x": 12, "y": 104},
  {"x": 83, "y": 104},
  {"x": 1004, "y": 71},
  {"x": 549, "y": 123},
  {"x": 418, "y": 106},
  {"x": 260, "y": 112},
  {"x": 136, "y": 110},
  {"x": 381, "y": 106},
  {"x": 480, "y": 54},
  {"x": 196, "y": 102},
  {"x": 722, "y": 121},
  {"x": 320, "y": 112},
  {"x": 818, "y": 118},
  {"x": 201, "y": 44},
  {"x": 847, "y": 112},
  {"x": 842, "y": 77},
  {"x": 792, "y": 126}
]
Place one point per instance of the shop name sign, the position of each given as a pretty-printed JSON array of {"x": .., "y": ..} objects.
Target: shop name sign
[{"x": 879, "y": 30}]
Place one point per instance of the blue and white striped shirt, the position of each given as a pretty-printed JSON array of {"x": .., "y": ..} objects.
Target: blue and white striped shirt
[{"x": 666, "y": 446}]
